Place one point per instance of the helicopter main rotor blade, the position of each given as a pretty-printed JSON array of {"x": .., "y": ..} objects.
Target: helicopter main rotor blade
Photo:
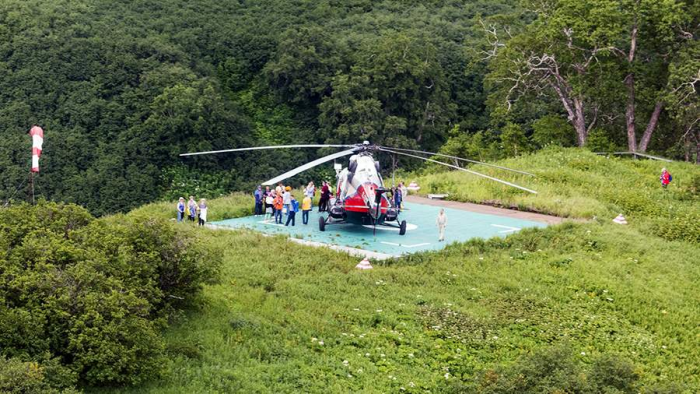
[
  {"x": 267, "y": 147},
  {"x": 457, "y": 158},
  {"x": 309, "y": 165},
  {"x": 462, "y": 169}
]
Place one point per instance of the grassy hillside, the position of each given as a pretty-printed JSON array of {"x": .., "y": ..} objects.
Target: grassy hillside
[
  {"x": 579, "y": 307},
  {"x": 578, "y": 184}
]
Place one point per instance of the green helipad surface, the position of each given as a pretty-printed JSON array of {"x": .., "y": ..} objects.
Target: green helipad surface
[{"x": 421, "y": 232}]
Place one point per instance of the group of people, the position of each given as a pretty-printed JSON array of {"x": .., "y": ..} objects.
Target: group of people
[
  {"x": 279, "y": 202},
  {"x": 191, "y": 210}
]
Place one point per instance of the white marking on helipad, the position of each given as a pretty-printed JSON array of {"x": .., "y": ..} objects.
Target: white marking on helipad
[
  {"x": 409, "y": 227},
  {"x": 510, "y": 229},
  {"x": 406, "y": 246},
  {"x": 271, "y": 223}
]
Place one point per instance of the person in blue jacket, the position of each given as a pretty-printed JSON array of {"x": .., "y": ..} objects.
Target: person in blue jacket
[
  {"x": 293, "y": 209},
  {"x": 181, "y": 209},
  {"x": 258, "y": 193}
]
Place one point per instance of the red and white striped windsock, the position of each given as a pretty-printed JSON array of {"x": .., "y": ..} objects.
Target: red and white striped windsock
[{"x": 37, "y": 134}]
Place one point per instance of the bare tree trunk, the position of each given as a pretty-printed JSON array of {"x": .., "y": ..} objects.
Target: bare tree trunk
[
  {"x": 629, "y": 82},
  {"x": 580, "y": 122},
  {"x": 574, "y": 108},
  {"x": 651, "y": 126},
  {"x": 629, "y": 114}
]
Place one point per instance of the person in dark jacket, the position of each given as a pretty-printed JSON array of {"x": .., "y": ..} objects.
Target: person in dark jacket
[
  {"x": 325, "y": 197},
  {"x": 258, "y": 194},
  {"x": 398, "y": 197}
]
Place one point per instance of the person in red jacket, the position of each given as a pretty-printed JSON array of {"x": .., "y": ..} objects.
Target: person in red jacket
[{"x": 665, "y": 178}]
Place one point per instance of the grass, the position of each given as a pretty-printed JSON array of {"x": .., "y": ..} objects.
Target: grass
[
  {"x": 572, "y": 183},
  {"x": 290, "y": 318}
]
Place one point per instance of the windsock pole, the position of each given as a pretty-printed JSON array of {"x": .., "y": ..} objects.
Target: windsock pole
[
  {"x": 31, "y": 185},
  {"x": 37, "y": 134}
]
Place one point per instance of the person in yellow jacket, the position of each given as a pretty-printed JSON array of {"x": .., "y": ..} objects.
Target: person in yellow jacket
[{"x": 305, "y": 209}]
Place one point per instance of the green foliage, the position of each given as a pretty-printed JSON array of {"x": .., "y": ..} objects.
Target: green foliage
[
  {"x": 556, "y": 370},
  {"x": 591, "y": 60},
  {"x": 93, "y": 293},
  {"x": 553, "y": 130},
  {"x": 477, "y": 146},
  {"x": 598, "y": 141},
  {"x": 28, "y": 377},
  {"x": 681, "y": 226},
  {"x": 183, "y": 182},
  {"x": 514, "y": 140}
]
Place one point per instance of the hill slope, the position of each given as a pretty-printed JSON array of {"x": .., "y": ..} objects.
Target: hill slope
[{"x": 588, "y": 305}]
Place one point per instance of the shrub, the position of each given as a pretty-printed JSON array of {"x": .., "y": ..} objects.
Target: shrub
[
  {"x": 683, "y": 227},
  {"x": 93, "y": 292},
  {"x": 553, "y": 130},
  {"x": 514, "y": 140},
  {"x": 598, "y": 141},
  {"x": 475, "y": 146},
  {"x": 18, "y": 376},
  {"x": 555, "y": 370}
]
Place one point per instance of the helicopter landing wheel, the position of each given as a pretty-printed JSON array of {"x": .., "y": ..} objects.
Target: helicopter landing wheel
[
  {"x": 322, "y": 224},
  {"x": 402, "y": 228}
]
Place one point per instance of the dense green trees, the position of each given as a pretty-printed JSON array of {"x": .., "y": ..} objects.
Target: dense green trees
[
  {"x": 122, "y": 88},
  {"x": 606, "y": 64},
  {"x": 84, "y": 299}
]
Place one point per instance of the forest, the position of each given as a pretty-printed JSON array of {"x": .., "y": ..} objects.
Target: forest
[{"x": 122, "y": 88}]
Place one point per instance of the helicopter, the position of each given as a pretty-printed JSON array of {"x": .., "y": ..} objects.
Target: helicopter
[{"x": 360, "y": 195}]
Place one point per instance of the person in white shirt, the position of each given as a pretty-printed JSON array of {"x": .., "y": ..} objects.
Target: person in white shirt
[
  {"x": 287, "y": 199},
  {"x": 441, "y": 223},
  {"x": 202, "y": 207}
]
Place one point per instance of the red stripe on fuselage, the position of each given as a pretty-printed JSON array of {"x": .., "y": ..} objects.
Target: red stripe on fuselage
[{"x": 358, "y": 201}]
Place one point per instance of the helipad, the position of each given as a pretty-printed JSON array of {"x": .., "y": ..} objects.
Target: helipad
[{"x": 421, "y": 234}]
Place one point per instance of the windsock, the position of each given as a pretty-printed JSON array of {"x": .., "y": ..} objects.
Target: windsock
[{"x": 37, "y": 134}]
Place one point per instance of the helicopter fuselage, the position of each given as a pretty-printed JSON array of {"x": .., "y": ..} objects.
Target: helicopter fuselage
[{"x": 361, "y": 190}]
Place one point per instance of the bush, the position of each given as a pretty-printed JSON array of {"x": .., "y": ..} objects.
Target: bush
[
  {"x": 18, "y": 376},
  {"x": 598, "y": 141},
  {"x": 475, "y": 146},
  {"x": 514, "y": 140},
  {"x": 93, "y": 292},
  {"x": 553, "y": 130},
  {"x": 555, "y": 370},
  {"x": 683, "y": 227}
]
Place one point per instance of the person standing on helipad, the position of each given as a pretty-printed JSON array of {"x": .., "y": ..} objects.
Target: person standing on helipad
[
  {"x": 269, "y": 200},
  {"x": 258, "y": 194},
  {"x": 441, "y": 223},
  {"x": 278, "y": 204},
  {"x": 305, "y": 209},
  {"x": 287, "y": 199},
  {"x": 293, "y": 209}
]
